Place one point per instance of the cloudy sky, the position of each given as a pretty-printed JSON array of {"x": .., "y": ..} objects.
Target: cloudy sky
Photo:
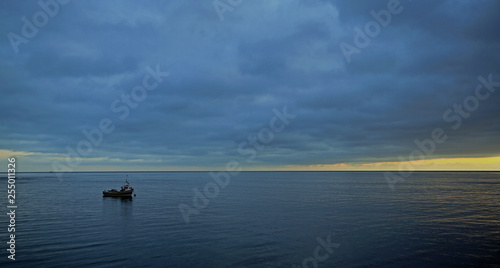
[{"x": 272, "y": 85}]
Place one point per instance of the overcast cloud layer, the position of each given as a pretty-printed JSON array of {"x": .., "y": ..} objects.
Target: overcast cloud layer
[{"x": 226, "y": 77}]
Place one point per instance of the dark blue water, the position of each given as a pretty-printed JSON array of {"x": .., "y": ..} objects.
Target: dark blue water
[{"x": 260, "y": 219}]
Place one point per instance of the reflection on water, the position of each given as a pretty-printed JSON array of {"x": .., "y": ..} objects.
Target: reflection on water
[{"x": 125, "y": 205}]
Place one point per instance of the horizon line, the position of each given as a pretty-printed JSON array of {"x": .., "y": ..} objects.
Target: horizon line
[{"x": 158, "y": 171}]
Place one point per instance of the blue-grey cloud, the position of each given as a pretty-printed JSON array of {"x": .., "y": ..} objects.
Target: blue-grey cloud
[{"x": 226, "y": 77}]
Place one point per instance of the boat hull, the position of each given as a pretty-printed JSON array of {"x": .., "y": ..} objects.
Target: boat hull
[{"x": 127, "y": 193}]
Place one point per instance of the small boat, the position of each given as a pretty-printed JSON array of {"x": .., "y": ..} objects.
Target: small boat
[{"x": 125, "y": 191}]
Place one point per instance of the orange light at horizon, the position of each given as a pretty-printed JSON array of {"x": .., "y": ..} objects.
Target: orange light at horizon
[{"x": 459, "y": 164}]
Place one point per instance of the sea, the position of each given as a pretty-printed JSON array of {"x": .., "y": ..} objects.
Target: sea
[{"x": 253, "y": 219}]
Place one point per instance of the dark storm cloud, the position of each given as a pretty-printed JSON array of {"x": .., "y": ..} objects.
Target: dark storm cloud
[{"x": 226, "y": 77}]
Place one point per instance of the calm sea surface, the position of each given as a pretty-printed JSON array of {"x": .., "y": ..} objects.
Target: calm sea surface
[{"x": 260, "y": 219}]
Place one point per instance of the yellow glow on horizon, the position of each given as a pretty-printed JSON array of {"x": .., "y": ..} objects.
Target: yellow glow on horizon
[
  {"x": 32, "y": 161},
  {"x": 465, "y": 163},
  {"x": 4, "y": 154}
]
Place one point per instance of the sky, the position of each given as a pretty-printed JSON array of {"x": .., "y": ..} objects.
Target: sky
[{"x": 262, "y": 85}]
